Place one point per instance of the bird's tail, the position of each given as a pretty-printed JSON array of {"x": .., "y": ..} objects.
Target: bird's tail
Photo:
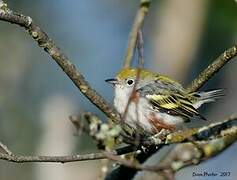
[{"x": 206, "y": 97}]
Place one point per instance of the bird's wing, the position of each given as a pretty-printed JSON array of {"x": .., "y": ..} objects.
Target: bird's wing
[{"x": 169, "y": 96}]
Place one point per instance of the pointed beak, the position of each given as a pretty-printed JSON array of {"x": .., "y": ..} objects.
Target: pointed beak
[{"x": 112, "y": 81}]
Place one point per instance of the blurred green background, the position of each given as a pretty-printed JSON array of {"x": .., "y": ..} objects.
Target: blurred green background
[{"x": 36, "y": 98}]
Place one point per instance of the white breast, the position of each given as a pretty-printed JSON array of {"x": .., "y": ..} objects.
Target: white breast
[{"x": 138, "y": 113}]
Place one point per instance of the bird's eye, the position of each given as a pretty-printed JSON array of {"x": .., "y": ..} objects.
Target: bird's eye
[{"x": 130, "y": 82}]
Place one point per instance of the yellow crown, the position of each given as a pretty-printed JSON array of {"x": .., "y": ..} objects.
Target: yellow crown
[{"x": 132, "y": 73}]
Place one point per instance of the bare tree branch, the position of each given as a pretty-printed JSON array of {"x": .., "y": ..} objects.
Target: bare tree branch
[
  {"x": 63, "y": 159},
  {"x": 4, "y": 147},
  {"x": 140, "y": 48},
  {"x": 60, "y": 58},
  {"x": 212, "y": 69},
  {"x": 226, "y": 133},
  {"x": 57, "y": 159},
  {"x": 138, "y": 22},
  {"x": 133, "y": 165}
]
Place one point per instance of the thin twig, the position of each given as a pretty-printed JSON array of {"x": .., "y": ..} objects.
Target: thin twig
[
  {"x": 3, "y": 146},
  {"x": 132, "y": 95},
  {"x": 63, "y": 159},
  {"x": 212, "y": 69},
  {"x": 60, "y": 58},
  {"x": 56, "y": 159},
  {"x": 133, "y": 165},
  {"x": 140, "y": 49},
  {"x": 138, "y": 22}
]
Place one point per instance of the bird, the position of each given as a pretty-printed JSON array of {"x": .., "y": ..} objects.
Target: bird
[{"x": 154, "y": 102}]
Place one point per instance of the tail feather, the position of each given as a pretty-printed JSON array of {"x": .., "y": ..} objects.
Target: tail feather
[{"x": 209, "y": 96}]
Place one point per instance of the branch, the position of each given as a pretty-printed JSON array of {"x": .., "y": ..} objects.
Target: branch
[
  {"x": 136, "y": 166},
  {"x": 212, "y": 69},
  {"x": 140, "y": 49},
  {"x": 57, "y": 159},
  {"x": 63, "y": 159},
  {"x": 188, "y": 154},
  {"x": 60, "y": 58},
  {"x": 3, "y": 146},
  {"x": 226, "y": 131},
  {"x": 198, "y": 144},
  {"x": 106, "y": 135},
  {"x": 138, "y": 22}
]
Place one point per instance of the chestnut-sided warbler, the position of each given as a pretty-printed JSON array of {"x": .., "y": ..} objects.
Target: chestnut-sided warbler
[{"x": 157, "y": 102}]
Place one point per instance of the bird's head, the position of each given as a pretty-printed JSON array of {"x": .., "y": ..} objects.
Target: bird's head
[{"x": 126, "y": 78}]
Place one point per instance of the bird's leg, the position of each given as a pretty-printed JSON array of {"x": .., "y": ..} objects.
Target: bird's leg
[
  {"x": 162, "y": 134},
  {"x": 159, "y": 138}
]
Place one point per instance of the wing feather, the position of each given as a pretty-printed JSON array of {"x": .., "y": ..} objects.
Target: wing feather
[{"x": 170, "y": 98}]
